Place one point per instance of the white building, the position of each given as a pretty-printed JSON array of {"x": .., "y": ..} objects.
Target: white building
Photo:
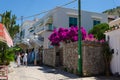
[
  {"x": 66, "y": 17},
  {"x": 113, "y": 37},
  {"x": 55, "y": 18},
  {"x": 25, "y": 33},
  {"x": 114, "y": 42}
]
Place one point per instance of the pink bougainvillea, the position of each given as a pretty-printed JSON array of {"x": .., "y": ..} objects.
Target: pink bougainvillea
[
  {"x": 90, "y": 37},
  {"x": 66, "y": 34},
  {"x": 69, "y": 34}
]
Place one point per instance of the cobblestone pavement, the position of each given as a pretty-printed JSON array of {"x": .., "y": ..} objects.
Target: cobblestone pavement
[{"x": 47, "y": 73}]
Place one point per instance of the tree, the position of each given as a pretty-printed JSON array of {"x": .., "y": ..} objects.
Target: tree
[
  {"x": 98, "y": 30},
  {"x": 9, "y": 21}
]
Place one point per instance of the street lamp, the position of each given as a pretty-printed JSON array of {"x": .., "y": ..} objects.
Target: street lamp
[{"x": 79, "y": 40}]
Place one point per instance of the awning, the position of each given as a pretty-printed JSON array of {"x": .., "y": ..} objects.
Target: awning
[
  {"x": 35, "y": 43},
  {"x": 4, "y": 36},
  {"x": 23, "y": 45}
]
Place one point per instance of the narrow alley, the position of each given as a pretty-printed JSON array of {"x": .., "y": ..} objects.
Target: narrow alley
[
  {"x": 47, "y": 73},
  {"x": 39, "y": 73}
]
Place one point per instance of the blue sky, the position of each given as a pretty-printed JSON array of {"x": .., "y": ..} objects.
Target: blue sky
[{"x": 30, "y": 7}]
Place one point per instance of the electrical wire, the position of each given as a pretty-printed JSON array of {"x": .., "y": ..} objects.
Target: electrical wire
[
  {"x": 68, "y": 3},
  {"x": 45, "y": 11}
]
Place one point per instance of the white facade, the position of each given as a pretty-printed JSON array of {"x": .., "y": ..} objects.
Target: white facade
[
  {"x": 60, "y": 17},
  {"x": 25, "y": 28},
  {"x": 24, "y": 34},
  {"x": 114, "y": 43},
  {"x": 87, "y": 19}
]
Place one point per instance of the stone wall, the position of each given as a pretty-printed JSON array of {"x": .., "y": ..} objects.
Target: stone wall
[
  {"x": 70, "y": 57},
  {"x": 53, "y": 57},
  {"x": 92, "y": 58},
  {"x": 49, "y": 57}
]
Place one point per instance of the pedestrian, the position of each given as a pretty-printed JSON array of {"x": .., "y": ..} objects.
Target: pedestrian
[
  {"x": 28, "y": 57},
  {"x": 18, "y": 60},
  {"x": 32, "y": 56},
  {"x": 22, "y": 55},
  {"x": 25, "y": 59},
  {"x": 16, "y": 57}
]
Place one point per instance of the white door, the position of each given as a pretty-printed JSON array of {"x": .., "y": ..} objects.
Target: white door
[
  {"x": 117, "y": 55},
  {"x": 115, "y": 63}
]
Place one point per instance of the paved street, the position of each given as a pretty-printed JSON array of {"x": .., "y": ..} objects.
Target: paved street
[
  {"x": 46, "y": 73},
  {"x": 39, "y": 73}
]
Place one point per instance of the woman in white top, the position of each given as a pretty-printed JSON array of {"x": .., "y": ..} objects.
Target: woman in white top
[{"x": 25, "y": 59}]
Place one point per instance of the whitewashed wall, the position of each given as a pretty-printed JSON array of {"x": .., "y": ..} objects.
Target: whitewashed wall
[
  {"x": 61, "y": 17},
  {"x": 114, "y": 43}
]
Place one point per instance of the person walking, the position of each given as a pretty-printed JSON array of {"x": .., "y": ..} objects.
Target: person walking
[
  {"x": 18, "y": 60},
  {"x": 25, "y": 59},
  {"x": 22, "y": 55}
]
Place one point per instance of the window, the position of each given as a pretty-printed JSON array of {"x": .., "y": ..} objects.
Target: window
[
  {"x": 95, "y": 22},
  {"x": 50, "y": 27},
  {"x": 31, "y": 30},
  {"x": 72, "y": 21}
]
